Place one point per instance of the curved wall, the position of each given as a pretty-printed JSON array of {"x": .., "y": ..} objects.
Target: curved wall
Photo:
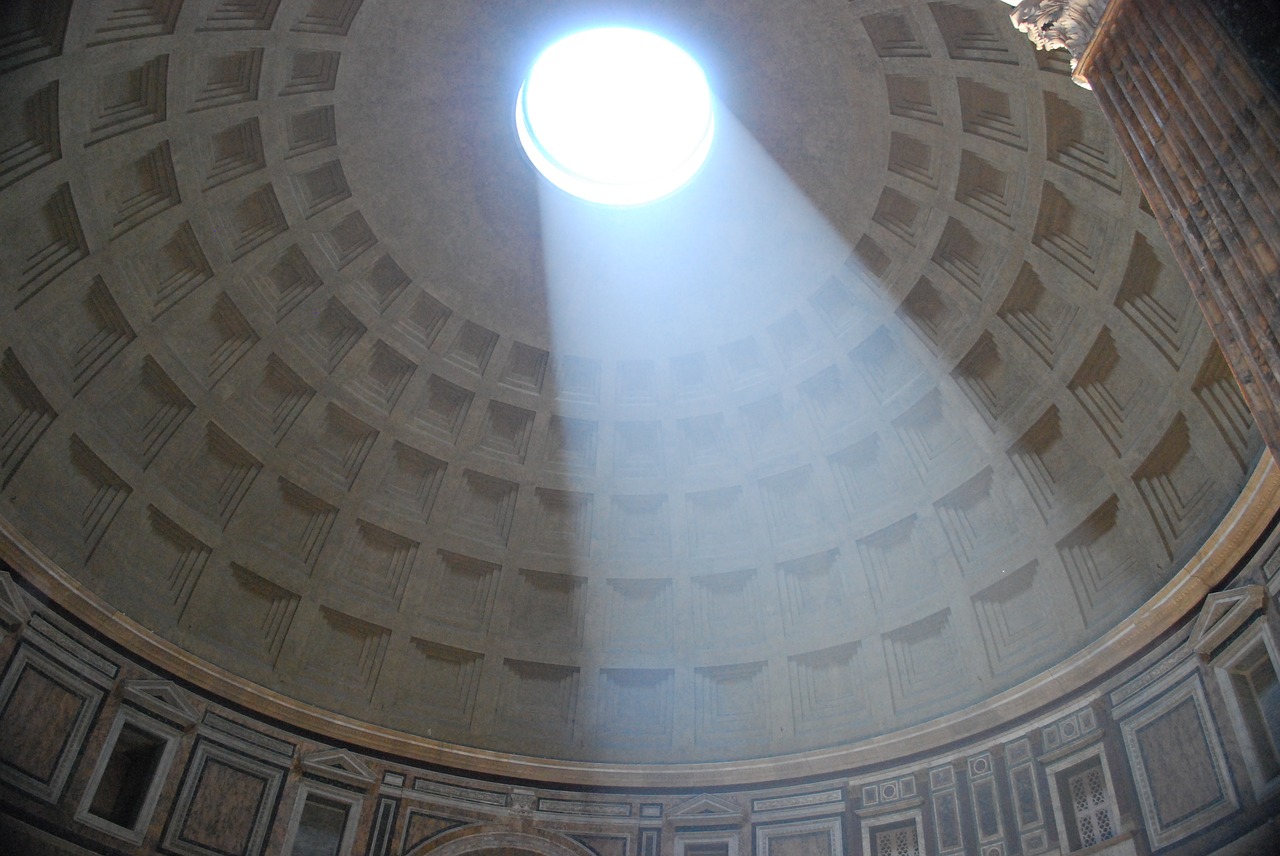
[
  {"x": 296, "y": 456},
  {"x": 1167, "y": 737}
]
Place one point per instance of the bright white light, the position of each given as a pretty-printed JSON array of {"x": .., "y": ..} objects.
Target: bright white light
[{"x": 616, "y": 116}]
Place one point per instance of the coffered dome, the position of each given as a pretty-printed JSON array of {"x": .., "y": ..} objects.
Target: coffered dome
[{"x": 899, "y": 408}]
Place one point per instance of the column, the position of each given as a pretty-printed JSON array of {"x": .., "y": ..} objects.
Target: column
[{"x": 1202, "y": 133}]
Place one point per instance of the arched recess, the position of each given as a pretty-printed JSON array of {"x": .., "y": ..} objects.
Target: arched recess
[{"x": 495, "y": 842}]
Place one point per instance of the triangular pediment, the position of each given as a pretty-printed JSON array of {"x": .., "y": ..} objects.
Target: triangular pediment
[
  {"x": 338, "y": 764},
  {"x": 706, "y": 807},
  {"x": 162, "y": 698},
  {"x": 13, "y": 609},
  {"x": 1224, "y": 613}
]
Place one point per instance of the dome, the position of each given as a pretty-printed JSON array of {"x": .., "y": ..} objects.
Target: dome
[{"x": 877, "y": 431}]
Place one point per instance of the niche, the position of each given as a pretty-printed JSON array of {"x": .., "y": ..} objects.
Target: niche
[
  {"x": 324, "y": 822},
  {"x": 125, "y": 786},
  {"x": 320, "y": 827}
]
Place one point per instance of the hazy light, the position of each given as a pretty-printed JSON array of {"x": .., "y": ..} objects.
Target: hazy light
[{"x": 616, "y": 116}]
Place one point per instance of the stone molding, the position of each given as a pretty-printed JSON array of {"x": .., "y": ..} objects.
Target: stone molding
[
  {"x": 1223, "y": 614},
  {"x": 13, "y": 611}
]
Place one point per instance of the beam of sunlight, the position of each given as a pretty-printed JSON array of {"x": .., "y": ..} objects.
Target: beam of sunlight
[
  {"x": 733, "y": 250},
  {"x": 736, "y": 252}
]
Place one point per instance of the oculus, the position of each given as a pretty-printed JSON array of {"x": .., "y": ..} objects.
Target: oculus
[{"x": 616, "y": 116}]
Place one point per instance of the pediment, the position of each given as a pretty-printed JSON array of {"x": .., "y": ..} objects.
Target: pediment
[
  {"x": 13, "y": 609},
  {"x": 1224, "y": 613},
  {"x": 706, "y": 807},
  {"x": 162, "y": 698},
  {"x": 338, "y": 764}
]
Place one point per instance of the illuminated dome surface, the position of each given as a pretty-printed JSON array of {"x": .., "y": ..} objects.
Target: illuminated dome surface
[
  {"x": 909, "y": 405},
  {"x": 615, "y": 115}
]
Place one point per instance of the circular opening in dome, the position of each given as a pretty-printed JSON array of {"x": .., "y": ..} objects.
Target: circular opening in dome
[{"x": 616, "y": 115}]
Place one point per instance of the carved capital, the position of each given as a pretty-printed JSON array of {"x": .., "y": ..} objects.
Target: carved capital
[{"x": 1059, "y": 24}]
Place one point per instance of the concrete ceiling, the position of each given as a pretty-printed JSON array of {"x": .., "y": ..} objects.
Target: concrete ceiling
[{"x": 903, "y": 402}]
